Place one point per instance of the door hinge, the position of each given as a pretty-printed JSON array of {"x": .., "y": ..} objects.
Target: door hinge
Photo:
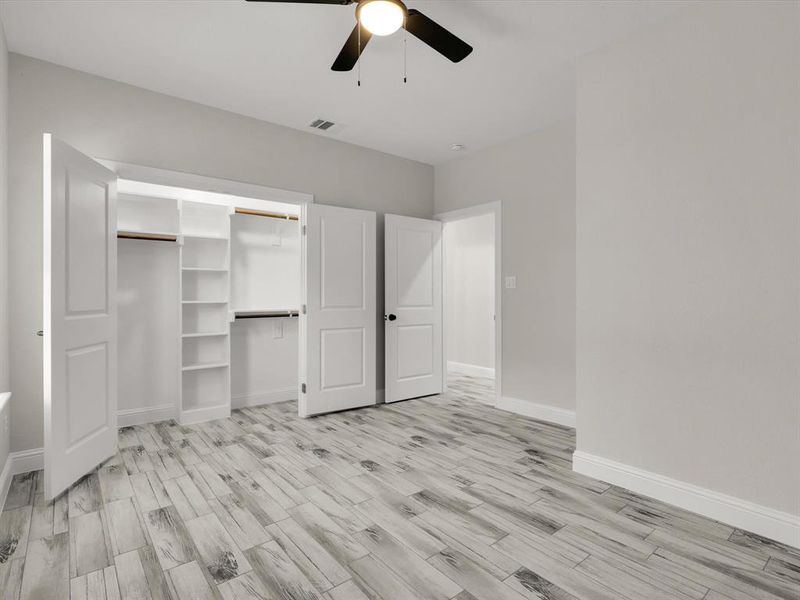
[
  {"x": 303, "y": 229},
  {"x": 303, "y": 388},
  {"x": 303, "y": 309}
]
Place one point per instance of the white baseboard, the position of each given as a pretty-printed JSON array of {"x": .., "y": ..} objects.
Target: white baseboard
[
  {"x": 5, "y": 433},
  {"x": 268, "y": 397},
  {"x": 467, "y": 369},
  {"x": 743, "y": 514},
  {"x": 16, "y": 463},
  {"x": 5, "y": 482},
  {"x": 26, "y": 460},
  {"x": 150, "y": 414},
  {"x": 201, "y": 415},
  {"x": 542, "y": 412}
]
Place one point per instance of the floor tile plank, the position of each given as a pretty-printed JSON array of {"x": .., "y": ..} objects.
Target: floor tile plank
[
  {"x": 46, "y": 571},
  {"x": 187, "y": 582},
  {"x": 428, "y": 582},
  {"x": 170, "y": 539},
  {"x": 125, "y": 530},
  {"x": 219, "y": 554},
  {"x": 87, "y": 542}
]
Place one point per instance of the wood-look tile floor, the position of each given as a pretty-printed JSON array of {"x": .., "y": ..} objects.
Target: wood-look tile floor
[{"x": 435, "y": 498}]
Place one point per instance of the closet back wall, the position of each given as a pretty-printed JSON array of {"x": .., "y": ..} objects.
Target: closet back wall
[
  {"x": 265, "y": 276},
  {"x": 111, "y": 120},
  {"x": 147, "y": 296}
]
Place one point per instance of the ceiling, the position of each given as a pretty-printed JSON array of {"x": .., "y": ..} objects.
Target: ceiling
[{"x": 272, "y": 62}]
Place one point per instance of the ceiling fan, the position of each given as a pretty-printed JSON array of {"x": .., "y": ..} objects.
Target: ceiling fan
[{"x": 384, "y": 17}]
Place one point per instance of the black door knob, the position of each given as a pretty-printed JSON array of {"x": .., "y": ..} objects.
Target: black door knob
[{"x": 392, "y": 317}]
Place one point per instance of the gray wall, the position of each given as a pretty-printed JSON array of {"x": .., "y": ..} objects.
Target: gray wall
[
  {"x": 4, "y": 344},
  {"x": 111, "y": 120},
  {"x": 688, "y": 219},
  {"x": 534, "y": 178}
]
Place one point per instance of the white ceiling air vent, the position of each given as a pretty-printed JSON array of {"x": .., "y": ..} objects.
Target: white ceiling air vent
[{"x": 325, "y": 125}]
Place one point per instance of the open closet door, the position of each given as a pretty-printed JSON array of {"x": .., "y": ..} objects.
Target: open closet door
[
  {"x": 337, "y": 331},
  {"x": 80, "y": 339},
  {"x": 413, "y": 307}
]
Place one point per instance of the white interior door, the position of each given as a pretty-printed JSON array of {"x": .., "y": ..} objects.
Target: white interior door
[
  {"x": 337, "y": 331},
  {"x": 80, "y": 338},
  {"x": 413, "y": 317}
]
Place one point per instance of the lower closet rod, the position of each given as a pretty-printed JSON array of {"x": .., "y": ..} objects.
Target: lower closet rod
[{"x": 272, "y": 314}]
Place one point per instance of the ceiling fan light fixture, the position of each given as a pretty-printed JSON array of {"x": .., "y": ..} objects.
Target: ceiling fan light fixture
[{"x": 381, "y": 17}]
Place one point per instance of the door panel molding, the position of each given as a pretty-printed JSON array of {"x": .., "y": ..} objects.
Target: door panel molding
[
  {"x": 338, "y": 326},
  {"x": 79, "y": 315}
]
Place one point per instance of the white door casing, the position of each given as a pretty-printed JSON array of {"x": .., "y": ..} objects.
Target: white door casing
[
  {"x": 494, "y": 208},
  {"x": 80, "y": 328},
  {"x": 413, "y": 297},
  {"x": 338, "y": 329}
]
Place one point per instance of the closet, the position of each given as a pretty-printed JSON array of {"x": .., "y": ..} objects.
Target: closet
[
  {"x": 182, "y": 302},
  {"x": 208, "y": 291}
]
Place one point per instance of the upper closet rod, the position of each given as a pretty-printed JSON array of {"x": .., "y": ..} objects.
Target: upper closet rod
[{"x": 262, "y": 213}]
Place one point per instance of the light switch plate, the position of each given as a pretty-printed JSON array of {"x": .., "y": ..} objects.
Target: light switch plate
[
  {"x": 277, "y": 329},
  {"x": 511, "y": 282}
]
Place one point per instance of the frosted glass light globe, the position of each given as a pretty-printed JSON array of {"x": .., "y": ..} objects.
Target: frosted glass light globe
[{"x": 381, "y": 17}]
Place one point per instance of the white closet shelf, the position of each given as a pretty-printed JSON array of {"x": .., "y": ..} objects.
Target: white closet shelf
[
  {"x": 200, "y": 236},
  {"x": 204, "y": 301},
  {"x": 202, "y": 335},
  {"x": 203, "y": 366}
]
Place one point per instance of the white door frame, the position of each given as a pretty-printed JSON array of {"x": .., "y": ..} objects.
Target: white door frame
[
  {"x": 204, "y": 184},
  {"x": 494, "y": 208}
]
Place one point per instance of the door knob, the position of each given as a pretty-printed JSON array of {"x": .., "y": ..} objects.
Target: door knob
[
  {"x": 390, "y": 317},
  {"x": 40, "y": 333}
]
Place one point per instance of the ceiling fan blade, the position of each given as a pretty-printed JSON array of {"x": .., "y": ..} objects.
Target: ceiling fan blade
[
  {"x": 348, "y": 57},
  {"x": 436, "y": 36},
  {"x": 342, "y": 2}
]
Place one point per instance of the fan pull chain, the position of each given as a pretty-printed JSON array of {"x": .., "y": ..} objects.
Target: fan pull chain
[{"x": 359, "y": 53}]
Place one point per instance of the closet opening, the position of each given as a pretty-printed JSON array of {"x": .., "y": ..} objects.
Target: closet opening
[{"x": 209, "y": 290}]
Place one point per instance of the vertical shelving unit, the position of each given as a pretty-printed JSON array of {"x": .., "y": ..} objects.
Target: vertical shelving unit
[{"x": 205, "y": 331}]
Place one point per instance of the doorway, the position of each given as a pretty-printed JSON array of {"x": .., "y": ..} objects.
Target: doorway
[{"x": 471, "y": 274}]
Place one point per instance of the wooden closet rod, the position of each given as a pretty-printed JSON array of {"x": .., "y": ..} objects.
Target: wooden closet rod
[
  {"x": 156, "y": 237},
  {"x": 262, "y": 213}
]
